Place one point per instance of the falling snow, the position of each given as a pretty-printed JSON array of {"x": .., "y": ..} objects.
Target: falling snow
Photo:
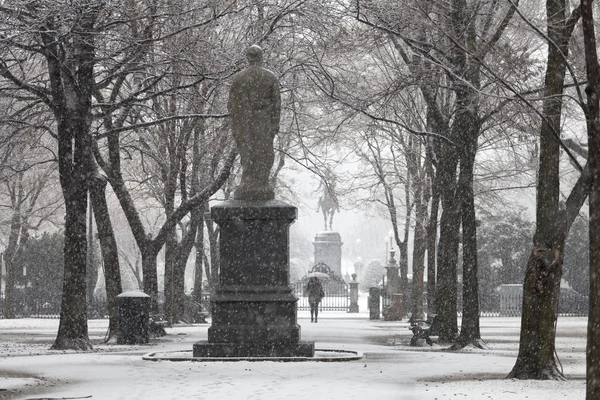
[{"x": 390, "y": 368}]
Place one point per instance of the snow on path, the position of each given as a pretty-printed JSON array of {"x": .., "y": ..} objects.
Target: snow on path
[{"x": 390, "y": 370}]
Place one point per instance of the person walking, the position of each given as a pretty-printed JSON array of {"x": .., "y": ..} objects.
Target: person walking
[{"x": 315, "y": 293}]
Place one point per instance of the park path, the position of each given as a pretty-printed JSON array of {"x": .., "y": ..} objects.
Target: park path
[{"x": 389, "y": 370}]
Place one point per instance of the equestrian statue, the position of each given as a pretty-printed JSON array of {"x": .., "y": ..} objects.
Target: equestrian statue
[{"x": 328, "y": 202}]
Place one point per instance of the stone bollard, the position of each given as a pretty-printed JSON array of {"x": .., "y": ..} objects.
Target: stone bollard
[
  {"x": 353, "y": 295},
  {"x": 374, "y": 303},
  {"x": 134, "y": 318}
]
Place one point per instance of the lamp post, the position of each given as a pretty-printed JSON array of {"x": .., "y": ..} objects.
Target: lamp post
[
  {"x": 386, "y": 250},
  {"x": 389, "y": 244}
]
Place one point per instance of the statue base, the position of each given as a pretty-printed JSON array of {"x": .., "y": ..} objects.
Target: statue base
[
  {"x": 328, "y": 250},
  {"x": 245, "y": 193},
  {"x": 254, "y": 311}
]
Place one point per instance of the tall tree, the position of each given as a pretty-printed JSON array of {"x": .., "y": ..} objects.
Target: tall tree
[
  {"x": 460, "y": 35},
  {"x": 541, "y": 287},
  {"x": 593, "y": 130},
  {"x": 108, "y": 246},
  {"x": 63, "y": 36}
]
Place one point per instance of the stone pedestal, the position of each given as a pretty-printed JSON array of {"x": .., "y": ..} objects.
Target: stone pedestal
[
  {"x": 328, "y": 250},
  {"x": 353, "y": 295},
  {"x": 253, "y": 307},
  {"x": 374, "y": 303},
  {"x": 392, "y": 275},
  {"x": 395, "y": 311}
]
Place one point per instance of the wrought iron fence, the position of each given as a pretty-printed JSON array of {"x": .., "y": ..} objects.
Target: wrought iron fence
[
  {"x": 571, "y": 304},
  {"x": 31, "y": 308},
  {"x": 337, "y": 295},
  {"x": 24, "y": 307}
]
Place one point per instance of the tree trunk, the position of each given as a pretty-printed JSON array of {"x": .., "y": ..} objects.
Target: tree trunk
[
  {"x": 419, "y": 249},
  {"x": 403, "y": 267},
  {"x": 593, "y": 131},
  {"x": 72, "y": 105},
  {"x": 109, "y": 249},
  {"x": 538, "y": 323},
  {"x": 213, "y": 275},
  {"x": 432, "y": 229},
  {"x": 9, "y": 255},
  {"x": 593, "y": 329},
  {"x": 446, "y": 290},
  {"x": 421, "y": 194},
  {"x": 469, "y": 331},
  {"x": 183, "y": 254},
  {"x": 73, "y": 329},
  {"x": 169, "y": 281},
  {"x": 150, "y": 277},
  {"x": 541, "y": 287},
  {"x": 198, "y": 265},
  {"x": 92, "y": 257}
]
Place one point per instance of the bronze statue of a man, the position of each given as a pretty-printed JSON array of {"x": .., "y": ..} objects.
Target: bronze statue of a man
[{"x": 255, "y": 105}]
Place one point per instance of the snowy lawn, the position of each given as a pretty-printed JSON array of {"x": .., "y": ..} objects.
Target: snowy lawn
[{"x": 390, "y": 369}]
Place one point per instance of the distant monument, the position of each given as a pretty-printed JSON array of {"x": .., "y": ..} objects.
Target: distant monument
[
  {"x": 328, "y": 202},
  {"x": 254, "y": 311},
  {"x": 328, "y": 244},
  {"x": 328, "y": 250},
  {"x": 254, "y": 105}
]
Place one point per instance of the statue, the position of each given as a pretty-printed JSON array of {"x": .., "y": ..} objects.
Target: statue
[
  {"x": 254, "y": 105},
  {"x": 328, "y": 202}
]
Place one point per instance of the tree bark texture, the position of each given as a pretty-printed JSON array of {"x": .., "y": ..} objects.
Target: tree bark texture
[
  {"x": 421, "y": 197},
  {"x": 199, "y": 263},
  {"x": 71, "y": 84},
  {"x": 419, "y": 249},
  {"x": 538, "y": 322},
  {"x": 446, "y": 291},
  {"x": 183, "y": 254},
  {"x": 593, "y": 130},
  {"x": 109, "y": 249},
  {"x": 432, "y": 229},
  {"x": 469, "y": 332},
  {"x": 9, "y": 255},
  {"x": 541, "y": 287},
  {"x": 150, "y": 275},
  {"x": 169, "y": 282},
  {"x": 212, "y": 272},
  {"x": 593, "y": 329},
  {"x": 92, "y": 256}
]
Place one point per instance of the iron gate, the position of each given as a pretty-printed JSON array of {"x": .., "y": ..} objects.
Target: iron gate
[{"x": 337, "y": 294}]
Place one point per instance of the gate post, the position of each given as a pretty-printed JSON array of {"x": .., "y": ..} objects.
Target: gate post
[
  {"x": 374, "y": 303},
  {"x": 353, "y": 295}
]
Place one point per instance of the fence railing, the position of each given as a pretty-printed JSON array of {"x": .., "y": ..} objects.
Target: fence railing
[
  {"x": 49, "y": 309},
  {"x": 31, "y": 308},
  {"x": 337, "y": 295},
  {"x": 509, "y": 307}
]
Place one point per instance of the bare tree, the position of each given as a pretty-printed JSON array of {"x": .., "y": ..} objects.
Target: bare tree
[
  {"x": 541, "y": 287},
  {"x": 593, "y": 131}
]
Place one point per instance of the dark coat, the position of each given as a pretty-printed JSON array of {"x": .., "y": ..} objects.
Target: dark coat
[{"x": 314, "y": 291}]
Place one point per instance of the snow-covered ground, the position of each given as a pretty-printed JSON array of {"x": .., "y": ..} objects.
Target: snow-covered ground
[{"x": 390, "y": 368}]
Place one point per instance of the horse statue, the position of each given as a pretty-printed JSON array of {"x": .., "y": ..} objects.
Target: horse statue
[{"x": 328, "y": 202}]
